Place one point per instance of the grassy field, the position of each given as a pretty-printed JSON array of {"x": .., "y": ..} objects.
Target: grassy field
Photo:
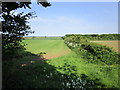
[
  {"x": 32, "y": 72},
  {"x": 104, "y": 74},
  {"x": 113, "y": 44},
  {"x": 44, "y": 38},
  {"x": 107, "y": 75},
  {"x": 52, "y": 48}
]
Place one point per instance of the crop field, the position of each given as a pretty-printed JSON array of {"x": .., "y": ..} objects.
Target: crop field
[
  {"x": 52, "y": 48},
  {"x": 44, "y": 38},
  {"x": 115, "y": 45}
]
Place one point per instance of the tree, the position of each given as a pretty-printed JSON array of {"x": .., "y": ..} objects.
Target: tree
[{"x": 14, "y": 27}]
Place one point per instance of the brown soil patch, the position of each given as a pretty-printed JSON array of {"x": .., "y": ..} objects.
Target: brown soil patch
[
  {"x": 44, "y": 57},
  {"x": 50, "y": 56},
  {"x": 112, "y": 44}
]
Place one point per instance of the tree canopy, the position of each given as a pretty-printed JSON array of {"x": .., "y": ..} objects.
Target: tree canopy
[{"x": 14, "y": 27}]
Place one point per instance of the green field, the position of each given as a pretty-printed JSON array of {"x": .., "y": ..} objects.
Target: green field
[
  {"x": 62, "y": 69},
  {"x": 52, "y": 48},
  {"x": 106, "y": 75},
  {"x": 93, "y": 71},
  {"x": 44, "y": 38}
]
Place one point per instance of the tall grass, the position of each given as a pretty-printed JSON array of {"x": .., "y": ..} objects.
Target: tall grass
[{"x": 107, "y": 75}]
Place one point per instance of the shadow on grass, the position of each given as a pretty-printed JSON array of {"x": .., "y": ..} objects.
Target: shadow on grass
[{"x": 37, "y": 73}]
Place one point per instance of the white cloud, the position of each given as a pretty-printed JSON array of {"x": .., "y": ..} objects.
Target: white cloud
[
  {"x": 58, "y": 25},
  {"x": 62, "y": 25},
  {"x": 59, "y": 20}
]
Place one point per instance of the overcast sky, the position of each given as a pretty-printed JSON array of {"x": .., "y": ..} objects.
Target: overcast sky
[{"x": 74, "y": 18}]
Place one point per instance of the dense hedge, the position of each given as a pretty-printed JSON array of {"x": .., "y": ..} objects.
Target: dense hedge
[
  {"x": 91, "y": 52},
  {"x": 95, "y": 53}
]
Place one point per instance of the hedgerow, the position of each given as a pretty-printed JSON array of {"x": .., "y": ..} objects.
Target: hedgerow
[{"x": 92, "y": 52}]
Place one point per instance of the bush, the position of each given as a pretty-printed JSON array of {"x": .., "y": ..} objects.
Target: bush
[
  {"x": 91, "y": 52},
  {"x": 95, "y": 53}
]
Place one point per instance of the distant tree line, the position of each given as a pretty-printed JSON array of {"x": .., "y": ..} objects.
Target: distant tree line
[{"x": 97, "y": 36}]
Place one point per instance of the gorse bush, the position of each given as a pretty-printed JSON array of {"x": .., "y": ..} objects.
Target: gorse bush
[
  {"x": 91, "y": 52},
  {"x": 74, "y": 41}
]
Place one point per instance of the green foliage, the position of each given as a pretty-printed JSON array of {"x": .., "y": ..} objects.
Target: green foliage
[
  {"x": 42, "y": 75},
  {"x": 75, "y": 81},
  {"x": 96, "y": 36},
  {"x": 92, "y": 52},
  {"x": 102, "y": 76},
  {"x": 9, "y": 6},
  {"x": 14, "y": 27},
  {"x": 73, "y": 41},
  {"x": 69, "y": 71},
  {"x": 97, "y": 53}
]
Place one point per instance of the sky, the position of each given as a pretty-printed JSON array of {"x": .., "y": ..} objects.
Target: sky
[{"x": 74, "y": 18}]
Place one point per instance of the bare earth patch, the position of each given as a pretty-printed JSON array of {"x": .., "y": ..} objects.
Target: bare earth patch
[
  {"x": 45, "y": 57},
  {"x": 50, "y": 56}
]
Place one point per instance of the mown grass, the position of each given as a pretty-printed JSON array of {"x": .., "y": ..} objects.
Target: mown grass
[
  {"x": 44, "y": 38},
  {"x": 49, "y": 46}
]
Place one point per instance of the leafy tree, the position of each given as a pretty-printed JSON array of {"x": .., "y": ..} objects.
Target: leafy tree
[{"x": 14, "y": 27}]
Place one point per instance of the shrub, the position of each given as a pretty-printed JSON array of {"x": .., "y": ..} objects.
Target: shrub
[
  {"x": 91, "y": 52},
  {"x": 98, "y": 53}
]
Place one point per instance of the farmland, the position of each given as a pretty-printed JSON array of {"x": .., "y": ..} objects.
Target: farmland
[
  {"x": 68, "y": 57},
  {"x": 62, "y": 67},
  {"x": 47, "y": 44},
  {"x": 52, "y": 48},
  {"x": 113, "y": 44}
]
